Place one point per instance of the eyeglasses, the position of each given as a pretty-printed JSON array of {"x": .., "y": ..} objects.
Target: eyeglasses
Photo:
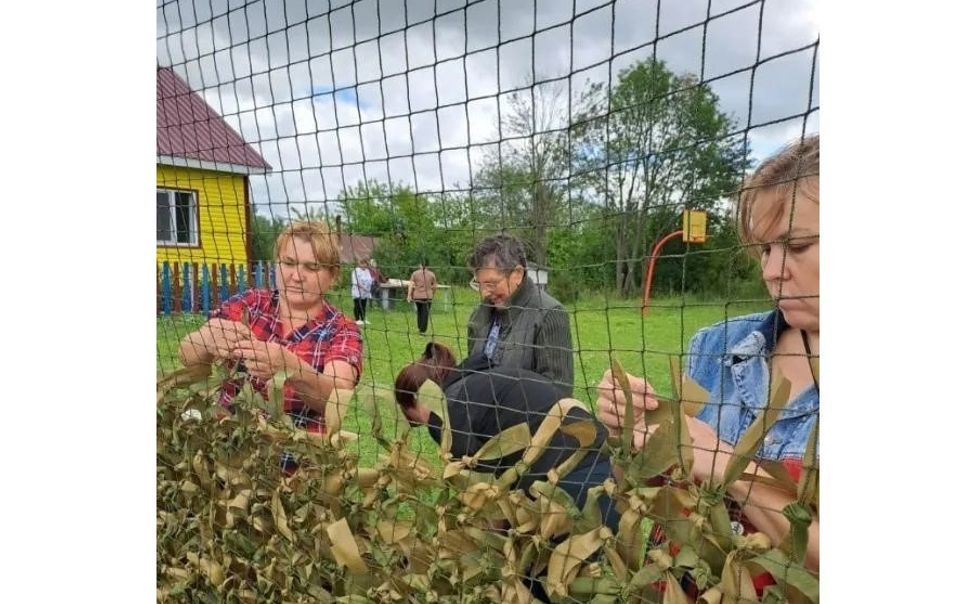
[{"x": 486, "y": 285}]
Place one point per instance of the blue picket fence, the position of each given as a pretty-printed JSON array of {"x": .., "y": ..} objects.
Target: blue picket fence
[{"x": 187, "y": 287}]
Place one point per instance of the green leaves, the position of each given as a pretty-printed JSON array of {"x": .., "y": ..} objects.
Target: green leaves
[
  {"x": 808, "y": 489},
  {"x": 658, "y": 455},
  {"x": 275, "y": 395},
  {"x": 508, "y": 441},
  {"x": 280, "y": 517},
  {"x": 344, "y": 547},
  {"x": 568, "y": 556},
  {"x": 800, "y": 514},
  {"x": 180, "y": 378}
]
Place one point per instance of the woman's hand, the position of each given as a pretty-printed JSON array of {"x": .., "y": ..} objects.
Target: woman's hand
[
  {"x": 711, "y": 454},
  {"x": 611, "y": 404},
  {"x": 216, "y": 339},
  {"x": 264, "y": 359},
  {"x": 709, "y": 450},
  {"x": 220, "y": 336}
]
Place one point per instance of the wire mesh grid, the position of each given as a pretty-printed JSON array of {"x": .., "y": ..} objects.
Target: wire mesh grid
[{"x": 416, "y": 132}]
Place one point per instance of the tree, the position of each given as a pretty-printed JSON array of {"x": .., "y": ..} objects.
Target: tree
[
  {"x": 526, "y": 182},
  {"x": 659, "y": 145},
  {"x": 265, "y": 230},
  {"x": 411, "y": 227},
  {"x": 264, "y": 233},
  {"x": 315, "y": 214},
  {"x": 368, "y": 209}
]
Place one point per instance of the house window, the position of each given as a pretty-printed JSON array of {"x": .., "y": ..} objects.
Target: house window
[{"x": 176, "y": 217}]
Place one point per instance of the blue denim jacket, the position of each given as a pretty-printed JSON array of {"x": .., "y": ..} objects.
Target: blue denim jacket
[{"x": 729, "y": 359}]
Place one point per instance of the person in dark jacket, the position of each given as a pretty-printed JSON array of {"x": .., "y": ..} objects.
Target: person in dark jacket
[
  {"x": 517, "y": 324},
  {"x": 482, "y": 400}
]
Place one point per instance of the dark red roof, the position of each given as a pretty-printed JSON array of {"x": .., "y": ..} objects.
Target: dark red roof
[{"x": 187, "y": 127}]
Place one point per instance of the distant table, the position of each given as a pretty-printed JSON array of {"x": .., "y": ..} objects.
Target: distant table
[{"x": 393, "y": 285}]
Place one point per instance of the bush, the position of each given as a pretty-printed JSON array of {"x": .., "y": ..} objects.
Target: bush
[{"x": 563, "y": 287}]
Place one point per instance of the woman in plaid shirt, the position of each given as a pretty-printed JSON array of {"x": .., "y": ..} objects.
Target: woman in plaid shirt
[{"x": 290, "y": 328}]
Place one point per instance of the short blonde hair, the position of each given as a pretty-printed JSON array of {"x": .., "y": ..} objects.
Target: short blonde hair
[
  {"x": 323, "y": 241},
  {"x": 791, "y": 171}
]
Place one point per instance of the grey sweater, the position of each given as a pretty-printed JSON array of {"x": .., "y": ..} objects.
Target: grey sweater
[{"x": 534, "y": 335}]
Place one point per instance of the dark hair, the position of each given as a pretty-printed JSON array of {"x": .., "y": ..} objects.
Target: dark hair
[
  {"x": 434, "y": 364},
  {"x": 505, "y": 252}
]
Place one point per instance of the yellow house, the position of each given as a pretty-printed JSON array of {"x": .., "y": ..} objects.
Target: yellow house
[{"x": 202, "y": 189}]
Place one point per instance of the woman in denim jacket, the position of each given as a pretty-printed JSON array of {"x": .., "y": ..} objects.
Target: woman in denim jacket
[{"x": 778, "y": 218}]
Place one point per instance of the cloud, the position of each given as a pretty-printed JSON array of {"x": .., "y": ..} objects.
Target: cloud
[{"x": 411, "y": 92}]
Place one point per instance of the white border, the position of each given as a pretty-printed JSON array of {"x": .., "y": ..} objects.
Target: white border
[
  {"x": 77, "y": 438},
  {"x": 897, "y": 416}
]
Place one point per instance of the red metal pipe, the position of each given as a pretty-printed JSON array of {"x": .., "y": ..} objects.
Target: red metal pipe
[{"x": 648, "y": 280}]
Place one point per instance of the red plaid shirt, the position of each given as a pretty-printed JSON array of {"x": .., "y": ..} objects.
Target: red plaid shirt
[{"x": 330, "y": 336}]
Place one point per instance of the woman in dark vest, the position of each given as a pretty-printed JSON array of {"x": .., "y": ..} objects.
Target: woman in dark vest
[{"x": 517, "y": 324}]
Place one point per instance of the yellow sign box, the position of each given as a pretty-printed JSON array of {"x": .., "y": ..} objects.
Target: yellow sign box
[{"x": 695, "y": 226}]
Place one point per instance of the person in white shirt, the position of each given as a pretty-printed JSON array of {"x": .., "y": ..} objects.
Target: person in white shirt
[{"x": 361, "y": 290}]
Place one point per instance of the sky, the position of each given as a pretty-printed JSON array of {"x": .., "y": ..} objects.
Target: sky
[{"x": 411, "y": 92}]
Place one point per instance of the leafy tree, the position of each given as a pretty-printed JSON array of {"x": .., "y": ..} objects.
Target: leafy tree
[
  {"x": 656, "y": 145},
  {"x": 526, "y": 183},
  {"x": 720, "y": 266},
  {"x": 264, "y": 232},
  {"x": 411, "y": 227}
]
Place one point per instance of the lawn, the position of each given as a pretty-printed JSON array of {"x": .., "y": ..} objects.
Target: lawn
[{"x": 600, "y": 326}]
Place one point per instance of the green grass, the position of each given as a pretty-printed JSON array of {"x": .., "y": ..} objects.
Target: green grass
[{"x": 600, "y": 326}]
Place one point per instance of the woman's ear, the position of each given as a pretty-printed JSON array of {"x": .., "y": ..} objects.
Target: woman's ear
[{"x": 517, "y": 275}]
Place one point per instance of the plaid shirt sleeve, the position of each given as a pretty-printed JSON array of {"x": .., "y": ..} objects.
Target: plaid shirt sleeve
[
  {"x": 341, "y": 343},
  {"x": 233, "y": 307}
]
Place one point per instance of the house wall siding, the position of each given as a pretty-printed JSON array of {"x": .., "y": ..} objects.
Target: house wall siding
[{"x": 222, "y": 215}]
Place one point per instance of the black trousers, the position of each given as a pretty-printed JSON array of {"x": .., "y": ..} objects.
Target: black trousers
[
  {"x": 577, "y": 483},
  {"x": 359, "y": 308},
  {"x": 422, "y": 314}
]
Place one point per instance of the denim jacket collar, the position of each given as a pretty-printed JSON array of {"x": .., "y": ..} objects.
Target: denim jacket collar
[
  {"x": 758, "y": 342},
  {"x": 747, "y": 359}
]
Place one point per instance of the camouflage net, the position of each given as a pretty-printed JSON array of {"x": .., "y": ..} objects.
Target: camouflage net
[{"x": 233, "y": 528}]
